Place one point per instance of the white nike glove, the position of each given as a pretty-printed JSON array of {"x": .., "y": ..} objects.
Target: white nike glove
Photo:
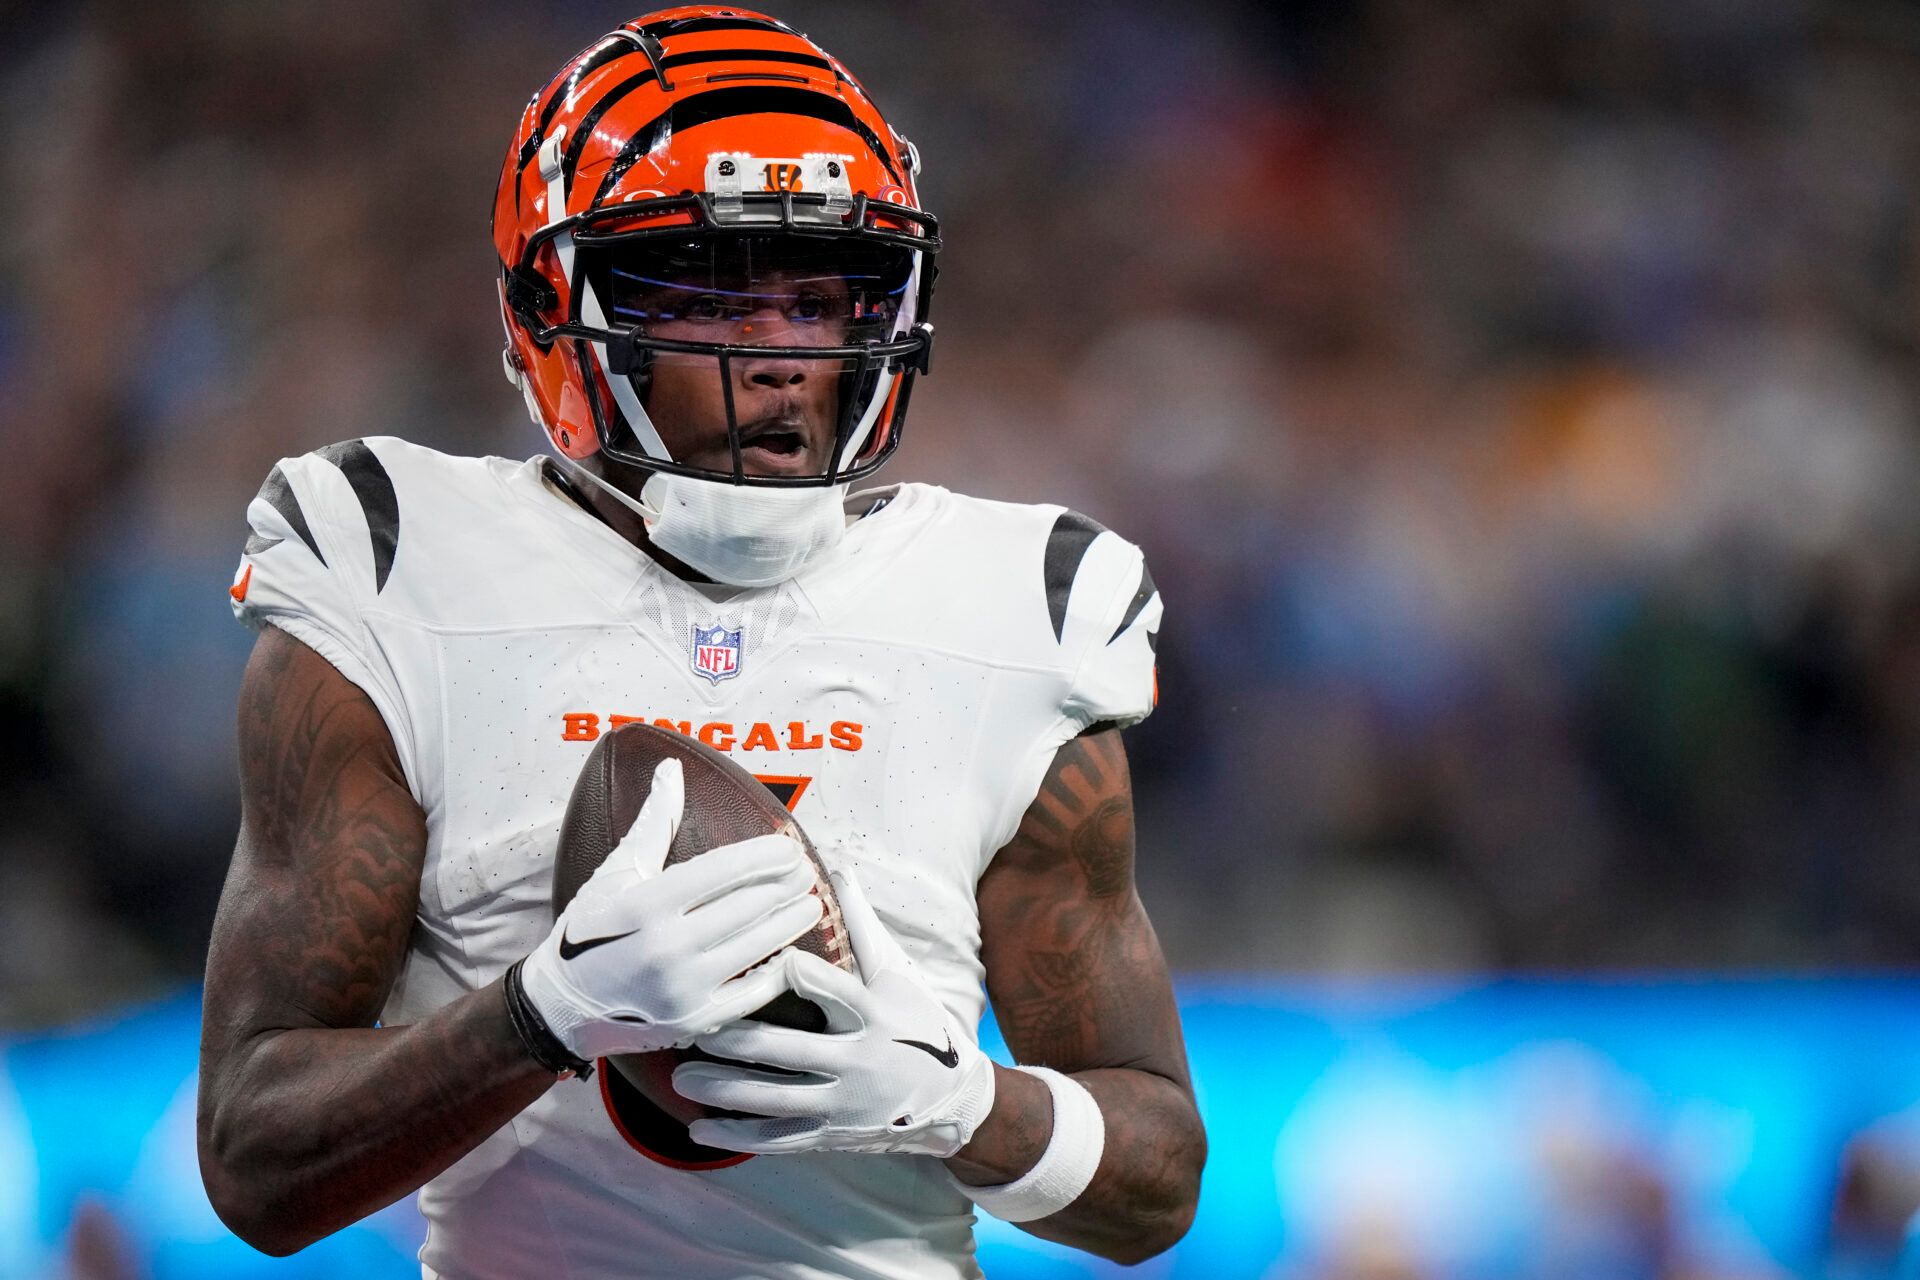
[
  {"x": 648, "y": 956},
  {"x": 894, "y": 1071}
]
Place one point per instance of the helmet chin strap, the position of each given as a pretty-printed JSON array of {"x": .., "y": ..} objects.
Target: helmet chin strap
[{"x": 740, "y": 535}]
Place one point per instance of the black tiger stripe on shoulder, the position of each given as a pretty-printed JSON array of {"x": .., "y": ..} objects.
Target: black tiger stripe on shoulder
[
  {"x": 378, "y": 500},
  {"x": 1134, "y": 606},
  {"x": 1067, "y": 545},
  {"x": 278, "y": 492}
]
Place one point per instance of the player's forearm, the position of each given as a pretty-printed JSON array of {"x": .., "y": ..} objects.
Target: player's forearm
[
  {"x": 1143, "y": 1196},
  {"x": 311, "y": 1129}
]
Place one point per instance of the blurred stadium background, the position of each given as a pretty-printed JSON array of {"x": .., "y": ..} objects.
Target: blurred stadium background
[{"x": 1516, "y": 399}]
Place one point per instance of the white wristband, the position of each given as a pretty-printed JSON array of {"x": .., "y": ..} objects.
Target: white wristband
[{"x": 1064, "y": 1168}]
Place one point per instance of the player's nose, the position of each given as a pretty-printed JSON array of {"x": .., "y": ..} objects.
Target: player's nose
[{"x": 769, "y": 328}]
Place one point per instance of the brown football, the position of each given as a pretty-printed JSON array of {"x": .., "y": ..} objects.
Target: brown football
[{"x": 724, "y": 803}]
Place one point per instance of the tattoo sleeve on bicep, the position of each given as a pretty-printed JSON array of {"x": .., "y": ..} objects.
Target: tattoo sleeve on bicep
[
  {"x": 1073, "y": 967},
  {"x": 325, "y": 881}
]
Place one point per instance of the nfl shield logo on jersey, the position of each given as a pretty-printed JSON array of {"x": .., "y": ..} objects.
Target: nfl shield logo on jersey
[{"x": 716, "y": 653}]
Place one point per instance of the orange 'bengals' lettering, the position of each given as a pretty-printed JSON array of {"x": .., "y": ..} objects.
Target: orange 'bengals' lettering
[{"x": 723, "y": 735}]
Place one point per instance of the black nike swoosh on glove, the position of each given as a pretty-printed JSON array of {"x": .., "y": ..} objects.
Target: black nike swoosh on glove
[
  {"x": 948, "y": 1057},
  {"x": 568, "y": 950}
]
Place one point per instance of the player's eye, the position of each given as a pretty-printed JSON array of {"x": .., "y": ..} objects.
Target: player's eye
[{"x": 705, "y": 306}]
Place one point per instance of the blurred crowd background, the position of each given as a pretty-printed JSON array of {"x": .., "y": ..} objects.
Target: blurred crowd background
[{"x": 1515, "y": 399}]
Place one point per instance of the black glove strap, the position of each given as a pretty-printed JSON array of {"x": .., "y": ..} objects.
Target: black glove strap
[{"x": 541, "y": 1043}]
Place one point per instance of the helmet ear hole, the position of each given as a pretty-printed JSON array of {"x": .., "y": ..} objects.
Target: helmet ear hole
[{"x": 529, "y": 294}]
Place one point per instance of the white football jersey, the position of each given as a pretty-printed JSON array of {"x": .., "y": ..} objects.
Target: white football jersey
[{"x": 905, "y": 693}]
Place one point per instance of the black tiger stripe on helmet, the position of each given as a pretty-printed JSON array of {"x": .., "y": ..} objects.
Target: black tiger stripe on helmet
[{"x": 722, "y": 104}]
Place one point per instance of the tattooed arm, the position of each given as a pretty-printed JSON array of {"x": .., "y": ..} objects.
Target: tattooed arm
[
  {"x": 310, "y": 1117},
  {"x": 1078, "y": 982}
]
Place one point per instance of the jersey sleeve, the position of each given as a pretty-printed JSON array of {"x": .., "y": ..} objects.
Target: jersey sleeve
[
  {"x": 1116, "y": 683},
  {"x": 1093, "y": 627},
  {"x": 1105, "y": 614},
  {"x": 297, "y": 572}
]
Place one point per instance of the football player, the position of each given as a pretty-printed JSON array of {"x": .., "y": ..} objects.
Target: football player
[{"x": 715, "y": 277}]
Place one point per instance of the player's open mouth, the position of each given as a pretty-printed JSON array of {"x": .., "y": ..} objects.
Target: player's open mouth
[{"x": 775, "y": 449}]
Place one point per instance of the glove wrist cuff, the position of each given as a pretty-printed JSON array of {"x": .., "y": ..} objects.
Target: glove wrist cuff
[
  {"x": 1064, "y": 1168},
  {"x": 541, "y": 1044},
  {"x": 977, "y": 1102}
]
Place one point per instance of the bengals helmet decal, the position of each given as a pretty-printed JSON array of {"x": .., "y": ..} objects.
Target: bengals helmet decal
[{"x": 701, "y": 134}]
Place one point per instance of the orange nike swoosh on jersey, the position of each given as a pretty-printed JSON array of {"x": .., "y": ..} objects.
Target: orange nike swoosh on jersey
[{"x": 239, "y": 589}]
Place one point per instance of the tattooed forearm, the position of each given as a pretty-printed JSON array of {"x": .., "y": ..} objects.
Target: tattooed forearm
[
  {"x": 309, "y": 1116},
  {"x": 1079, "y": 984}
]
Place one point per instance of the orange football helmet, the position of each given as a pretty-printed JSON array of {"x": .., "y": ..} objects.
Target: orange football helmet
[{"x": 718, "y": 148}]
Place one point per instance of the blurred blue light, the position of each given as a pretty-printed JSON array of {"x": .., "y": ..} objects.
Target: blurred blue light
[{"x": 1572, "y": 1127}]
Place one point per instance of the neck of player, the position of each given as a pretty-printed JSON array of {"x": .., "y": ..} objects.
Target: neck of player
[{"x": 619, "y": 517}]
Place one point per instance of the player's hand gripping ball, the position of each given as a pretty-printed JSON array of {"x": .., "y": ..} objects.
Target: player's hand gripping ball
[
  {"x": 731, "y": 880},
  {"x": 894, "y": 1070}
]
